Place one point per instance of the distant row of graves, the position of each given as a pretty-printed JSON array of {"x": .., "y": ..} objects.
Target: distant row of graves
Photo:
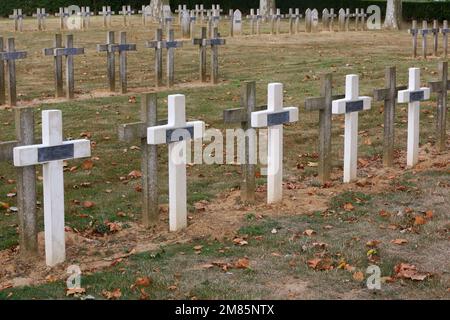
[{"x": 80, "y": 18}]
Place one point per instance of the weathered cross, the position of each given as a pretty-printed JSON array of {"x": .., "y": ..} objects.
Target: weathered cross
[
  {"x": 26, "y": 181},
  {"x": 424, "y": 32},
  {"x": 350, "y": 106},
  {"x": 357, "y": 16},
  {"x": 324, "y": 105},
  {"x": 252, "y": 18},
  {"x": 275, "y": 19},
  {"x": 388, "y": 94},
  {"x": 149, "y": 165},
  {"x": 274, "y": 118},
  {"x": 145, "y": 13},
  {"x": 192, "y": 19},
  {"x": 157, "y": 44},
  {"x": 445, "y": 30},
  {"x": 363, "y": 15},
  {"x": 57, "y": 43},
  {"x": 51, "y": 154},
  {"x": 441, "y": 87},
  {"x": 214, "y": 42},
  {"x": 18, "y": 19},
  {"x": 243, "y": 116},
  {"x": 332, "y": 17},
  {"x": 126, "y": 12},
  {"x": 10, "y": 56},
  {"x": 62, "y": 14},
  {"x": 413, "y": 95},
  {"x": 106, "y": 13},
  {"x": 176, "y": 133},
  {"x": 69, "y": 52},
  {"x": 414, "y": 32},
  {"x": 180, "y": 10},
  {"x": 435, "y": 31},
  {"x": 202, "y": 53},
  {"x": 40, "y": 16},
  {"x": 85, "y": 15},
  {"x": 111, "y": 48}
]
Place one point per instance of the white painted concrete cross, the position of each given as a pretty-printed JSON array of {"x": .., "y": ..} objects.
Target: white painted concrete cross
[
  {"x": 51, "y": 154},
  {"x": 350, "y": 106},
  {"x": 274, "y": 118},
  {"x": 413, "y": 95},
  {"x": 176, "y": 133}
]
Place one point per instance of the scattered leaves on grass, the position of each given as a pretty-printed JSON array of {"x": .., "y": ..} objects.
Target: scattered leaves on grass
[
  {"x": 112, "y": 295},
  {"x": 320, "y": 264},
  {"x": 409, "y": 271},
  {"x": 75, "y": 291}
]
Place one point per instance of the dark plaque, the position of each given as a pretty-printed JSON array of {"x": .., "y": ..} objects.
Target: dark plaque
[
  {"x": 179, "y": 134},
  {"x": 416, "y": 96},
  {"x": 61, "y": 152},
  {"x": 354, "y": 106},
  {"x": 274, "y": 119}
]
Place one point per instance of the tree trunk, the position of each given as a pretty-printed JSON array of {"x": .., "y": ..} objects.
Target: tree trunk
[{"x": 393, "y": 14}]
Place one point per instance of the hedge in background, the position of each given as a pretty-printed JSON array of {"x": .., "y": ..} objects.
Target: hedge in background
[{"x": 416, "y": 10}]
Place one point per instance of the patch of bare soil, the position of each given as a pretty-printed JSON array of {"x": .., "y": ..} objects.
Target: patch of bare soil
[{"x": 217, "y": 220}]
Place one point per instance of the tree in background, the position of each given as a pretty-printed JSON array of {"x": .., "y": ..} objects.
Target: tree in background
[{"x": 393, "y": 14}]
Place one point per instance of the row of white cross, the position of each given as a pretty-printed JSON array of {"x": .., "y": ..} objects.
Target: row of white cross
[{"x": 178, "y": 132}]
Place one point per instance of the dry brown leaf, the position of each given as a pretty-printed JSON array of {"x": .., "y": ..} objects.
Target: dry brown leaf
[
  {"x": 243, "y": 263},
  {"x": 309, "y": 232},
  {"x": 87, "y": 164},
  {"x": 373, "y": 243},
  {"x": 74, "y": 291},
  {"x": 429, "y": 214},
  {"x": 135, "y": 174},
  {"x": 143, "y": 282},
  {"x": 88, "y": 204},
  {"x": 399, "y": 241},
  {"x": 418, "y": 220},
  {"x": 112, "y": 295},
  {"x": 348, "y": 207},
  {"x": 358, "y": 276}
]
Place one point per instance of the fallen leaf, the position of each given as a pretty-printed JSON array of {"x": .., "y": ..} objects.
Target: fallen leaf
[
  {"x": 408, "y": 271},
  {"x": 240, "y": 241},
  {"x": 87, "y": 164},
  {"x": 418, "y": 220},
  {"x": 88, "y": 204},
  {"x": 143, "y": 282},
  {"x": 348, "y": 207},
  {"x": 358, "y": 276},
  {"x": 373, "y": 243},
  {"x": 399, "y": 241},
  {"x": 198, "y": 248},
  {"x": 112, "y": 295},
  {"x": 243, "y": 263},
  {"x": 429, "y": 214},
  {"x": 309, "y": 232},
  {"x": 135, "y": 174}
]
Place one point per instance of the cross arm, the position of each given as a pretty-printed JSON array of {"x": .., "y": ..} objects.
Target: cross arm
[
  {"x": 382, "y": 94},
  {"x": 6, "y": 150},
  {"x": 237, "y": 115},
  {"x": 266, "y": 118},
  {"x": 40, "y": 154},
  {"x": 213, "y": 42},
  {"x": 13, "y": 55},
  {"x": 436, "y": 86},
  {"x": 406, "y": 96},
  {"x": 168, "y": 133},
  {"x": 318, "y": 103},
  {"x": 68, "y": 51},
  {"x": 122, "y": 47},
  {"x": 133, "y": 131},
  {"x": 341, "y": 106}
]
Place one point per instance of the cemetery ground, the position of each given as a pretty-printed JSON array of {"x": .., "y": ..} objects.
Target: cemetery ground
[{"x": 316, "y": 244}]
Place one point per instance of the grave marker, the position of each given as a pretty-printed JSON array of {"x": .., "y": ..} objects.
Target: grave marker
[
  {"x": 348, "y": 16},
  {"x": 26, "y": 181},
  {"x": 388, "y": 94},
  {"x": 10, "y": 56},
  {"x": 58, "y": 68},
  {"x": 157, "y": 44},
  {"x": 41, "y": 17},
  {"x": 17, "y": 16},
  {"x": 350, "y": 106},
  {"x": 314, "y": 20},
  {"x": 202, "y": 45},
  {"x": 63, "y": 14},
  {"x": 414, "y": 32},
  {"x": 127, "y": 13},
  {"x": 325, "y": 19},
  {"x": 445, "y": 30},
  {"x": 122, "y": 48},
  {"x": 308, "y": 20},
  {"x": 413, "y": 95},
  {"x": 2, "y": 75},
  {"x": 324, "y": 105},
  {"x": 69, "y": 52},
  {"x": 243, "y": 116},
  {"x": 274, "y": 118},
  {"x": 193, "y": 19},
  {"x": 435, "y": 32},
  {"x": 237, "y": 22},
  {"x": 185, "y": 24},
  {"x": 149, "y": 163},
  {"x": 441, "y": 87},
  {"x": 252, "y": 18},
  {"x": 341, "y": 19},
  {"x": 215, "y": 42},
  {"x": 424, "y": 32},
  {"x": 298, "y": 16},
  {"x": 107, "y": 14},
  {"x": 176, "y": 134},
  {"x": 51, "y": 154},
  {"x": 332, "y": 16}
]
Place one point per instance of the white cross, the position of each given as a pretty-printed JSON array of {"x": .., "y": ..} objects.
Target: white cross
[
  {"x": 176, "y": 133},
  {"x": 274, "y": 117},
  {"x": 413, "y": 95},
  {"x": 51, "y": 154},
  {"x": 351, "y": 105}
]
